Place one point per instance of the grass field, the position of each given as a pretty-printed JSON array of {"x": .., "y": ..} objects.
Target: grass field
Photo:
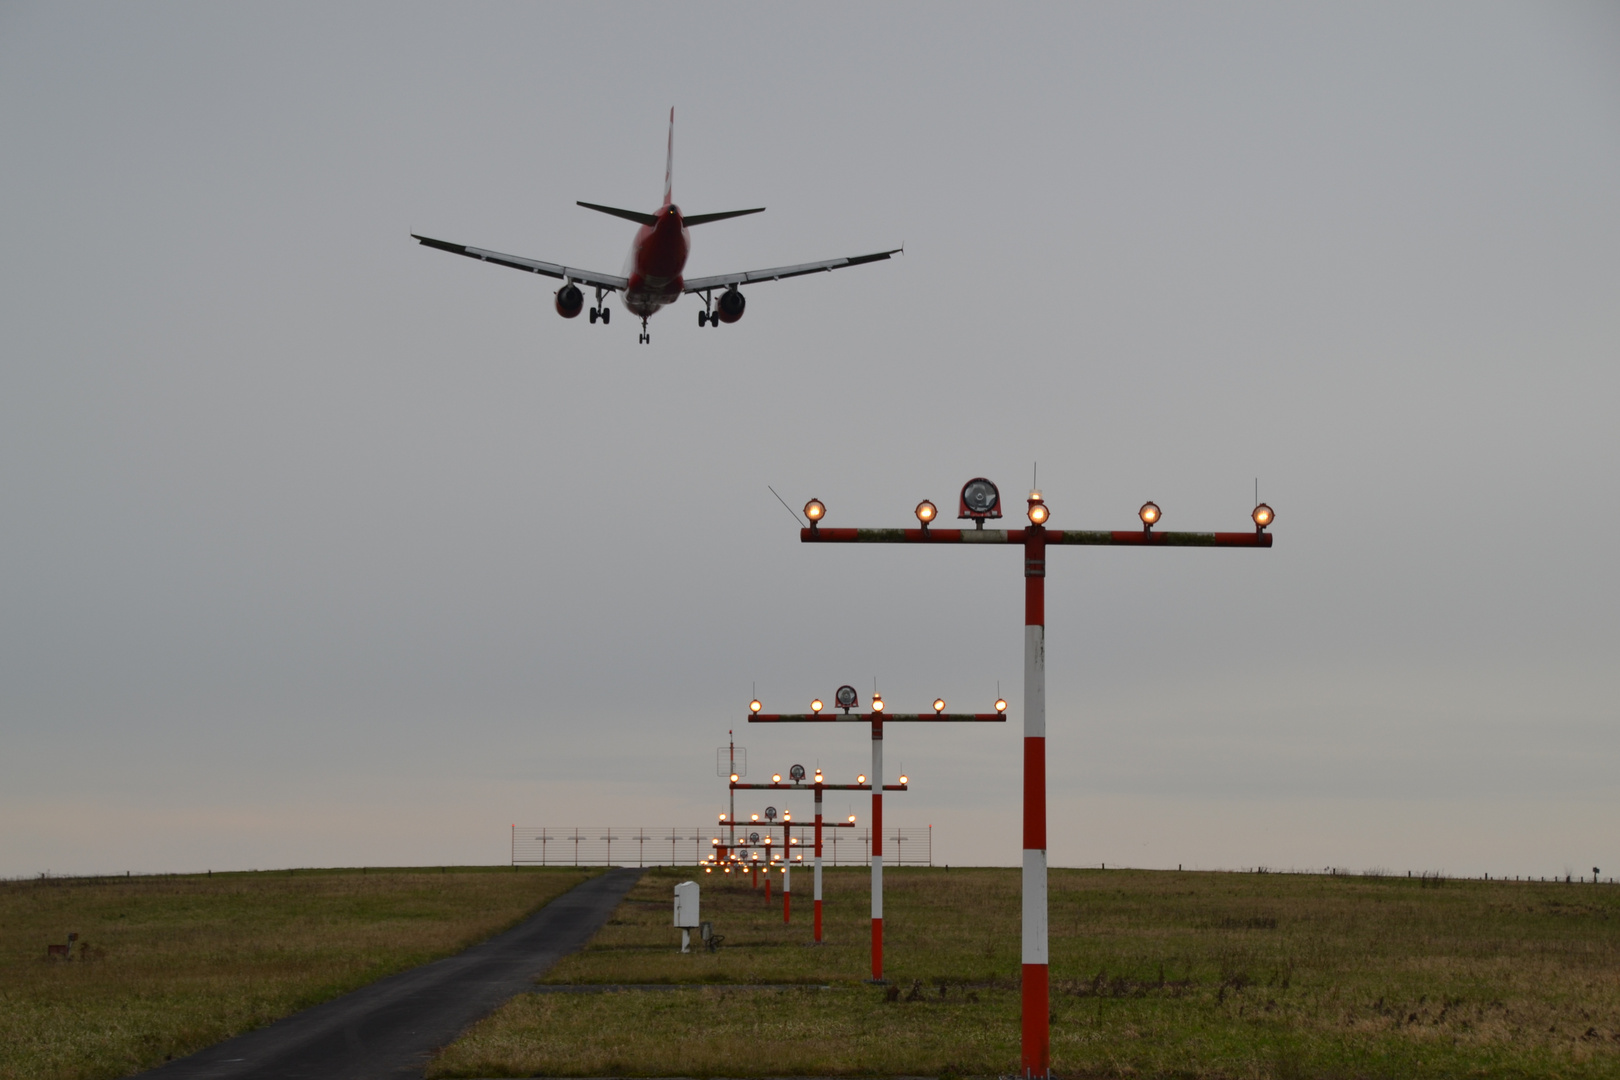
[
  {"x": 174, "y": 964},
  {"x": 1155, "y": 974}
]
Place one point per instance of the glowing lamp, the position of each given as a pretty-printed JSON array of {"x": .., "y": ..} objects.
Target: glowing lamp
[
  {"x": 776, "y": 778},
  {"x": 754, "y": 706},
  {"x": 861, "y": 779},
  {"x": 1001, "y": 705},
  {"x": 1150, "y": 514},
  {"x": 939, "y": 704},
  {"x": 733, "y": 778},
  {"x": 852, "y": 819},
  {"x": 815, "y": 510},
  {"x": 877, "y": 703},
  {"x": 902, "y": 778},
  {"x": 816, "y": 706},
  {"x": 1038, "y": 512},
  {"x": 1263, "y": 515},
  {"x": 926, "y": 512}
]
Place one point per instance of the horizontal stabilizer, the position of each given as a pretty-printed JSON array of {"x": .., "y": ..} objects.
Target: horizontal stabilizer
[
  {"x": 629, "y": 215},
  {"x": 703, "y": 219}
]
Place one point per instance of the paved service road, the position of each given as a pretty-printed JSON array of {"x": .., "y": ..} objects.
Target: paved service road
[{"x": 391, "y": 1028}]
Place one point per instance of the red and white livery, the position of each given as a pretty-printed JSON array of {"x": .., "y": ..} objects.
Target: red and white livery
[{"x": 653, "y": 274}]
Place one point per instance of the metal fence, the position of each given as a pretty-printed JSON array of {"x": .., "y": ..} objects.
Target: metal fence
[{"x": 602, "y": 846}]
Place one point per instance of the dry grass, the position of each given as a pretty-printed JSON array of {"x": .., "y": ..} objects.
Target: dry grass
[
  {"x": 1154, "y": 975},
  {"x": 178, "y": 963}
]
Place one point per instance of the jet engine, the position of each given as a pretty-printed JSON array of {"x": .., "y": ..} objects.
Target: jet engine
[
  {"x": 731, "y": 305},
  {"x": 570, "y": 301}
]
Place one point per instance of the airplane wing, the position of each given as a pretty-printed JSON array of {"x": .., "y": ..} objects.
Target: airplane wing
[
  {"x": 533, "y": 266},
  {"x": 703, "y": 284}
]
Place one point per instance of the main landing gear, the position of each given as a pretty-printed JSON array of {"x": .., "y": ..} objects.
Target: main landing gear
[
  {"x": 645, "y": 337},
  {"x": 601, "y": 310},
  {"x": 707, "y": 317}
]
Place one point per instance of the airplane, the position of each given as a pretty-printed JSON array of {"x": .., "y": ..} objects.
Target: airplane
[{"x": 652, "y": 273}]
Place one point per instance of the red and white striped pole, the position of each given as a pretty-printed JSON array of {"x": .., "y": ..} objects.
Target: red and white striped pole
[
  {"x": 877, "y": 840},
  {"x": 818, "y": 857},
  {"x": 1037, "y": 1033}
]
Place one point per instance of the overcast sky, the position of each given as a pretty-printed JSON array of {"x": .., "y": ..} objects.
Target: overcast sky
[{"x": 318, "y": 547}]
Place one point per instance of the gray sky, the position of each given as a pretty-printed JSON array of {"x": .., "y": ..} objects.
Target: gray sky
[{"x": 320, "y": 547}]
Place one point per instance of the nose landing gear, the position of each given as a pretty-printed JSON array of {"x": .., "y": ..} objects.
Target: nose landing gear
[{"x": 645, "y": 337}]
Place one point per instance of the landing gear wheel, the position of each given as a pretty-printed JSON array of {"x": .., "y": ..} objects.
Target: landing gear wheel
[
  {"x": 703, "y": 318},
  {"x": 646, "y": 339},
  {"x": 593, "y": 316},
  {"x": 606, "y": 311}
]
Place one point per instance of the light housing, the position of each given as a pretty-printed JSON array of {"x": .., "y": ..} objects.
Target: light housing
[
  {"x": 1001, "y": 705},
  {"x": 816, "y": 706},
  {"x": 939, "y": 704},
  {"x": 877, "y": 702},
  {"x": 1263, "y": 516},
  {"x": 846, "y": 698},
  {"x": 926, "y": 513},
  {"x": 733, "y": 778},
  {"x": 754, "y": 706},
  {"x": 902, "y": 778},
  {"x": 776, "y": 778},
  {"x": 1038, "y": 510},
  {"x": 815, "y": 510},
  {"x": 980, "y": 499},
  {"x": 1150, "y": 515},
  {"x": 797, "y": 773},
  {"x": 860, "y": 778},
  {"x": 852, "y": 819}
]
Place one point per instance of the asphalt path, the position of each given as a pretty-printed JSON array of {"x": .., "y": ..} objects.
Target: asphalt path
[{"x": 392, "y": 1027}]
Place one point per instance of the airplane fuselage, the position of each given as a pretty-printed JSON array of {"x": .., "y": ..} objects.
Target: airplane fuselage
[{"x": 657, "y": 259}]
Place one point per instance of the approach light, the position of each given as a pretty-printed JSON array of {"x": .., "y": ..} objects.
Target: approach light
[
  {"x": 755, "y": 817},
  {"x": 776, "y": 778},
  {"x": 1149, "y": 514},
  {"x": 846, "y": 698},
  {"x": 926, "y": 513},
  {"x": 733, "y": 778},
  {"x": 939, "y": 704},
  {"x": 722, "y": 817},
  {"x": 754, "y": 706},
  {"x": 861, "y": 778},
  {"x": 787, "y": 815},
  {"x": 815, "y": 510},
  {"x": 816, "y": 706},
  {"x": 797, "y": 773},
  {"x": 902, "y": 778},
  {"x": 877, "y": 702},
  {"x": 1038, "y": 512},
  {"x": 852, "y": 819},
  {"x": 1263, "y": 515},
  {"x": 1001, "y": 705},
  {"x": 770, "y": 815},
  {"x": 980, "y": 500}
]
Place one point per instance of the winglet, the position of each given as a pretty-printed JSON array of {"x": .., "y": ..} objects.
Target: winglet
[{"x": 669, "y": 157}]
